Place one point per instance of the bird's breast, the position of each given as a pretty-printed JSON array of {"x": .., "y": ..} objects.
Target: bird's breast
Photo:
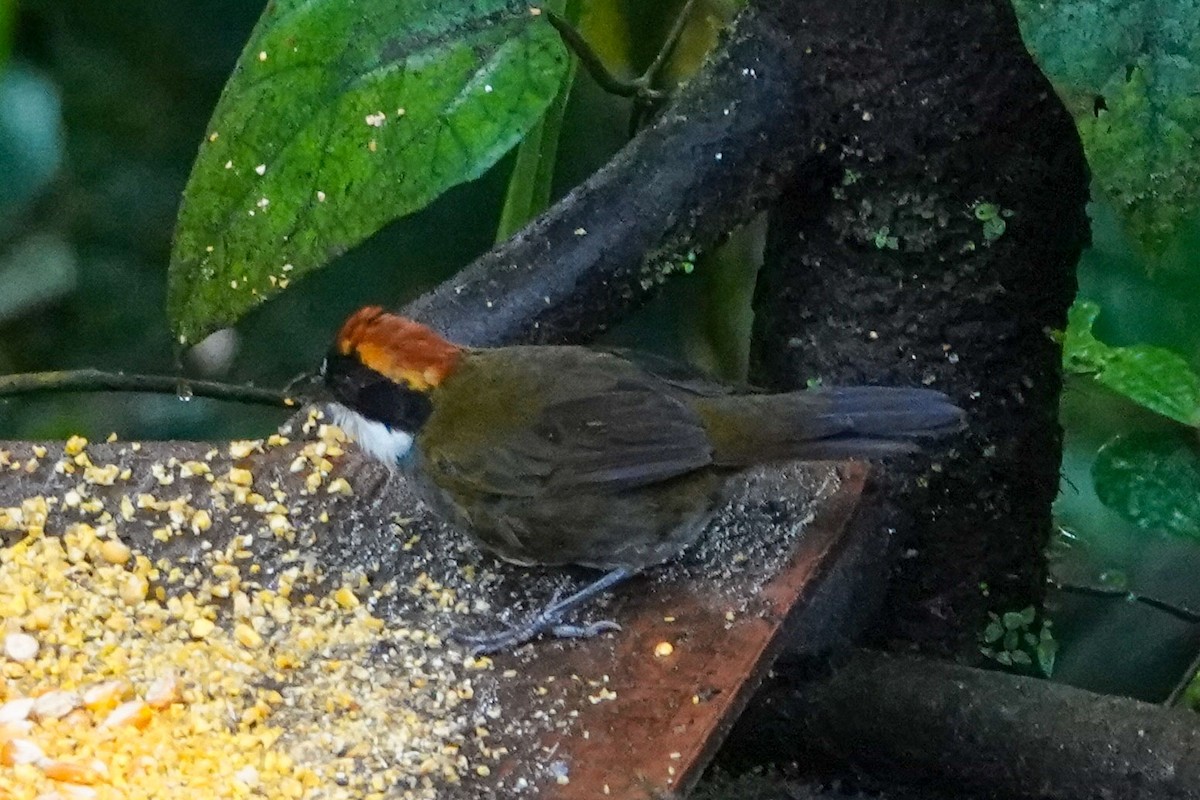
[{"x": 390, "y": 445}]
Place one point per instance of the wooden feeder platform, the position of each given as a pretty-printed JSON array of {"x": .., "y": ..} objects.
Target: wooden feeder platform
[{"x": 627, "y": 715}]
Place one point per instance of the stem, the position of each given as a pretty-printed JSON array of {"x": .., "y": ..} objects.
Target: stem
[
  {"x": 94, "y": 380},
  {"x": 1177, "y": 692},
  {"x": 533, "y": 173},
  {"x": 668, "y": 44},
  {"x": 641, "y": 89},
  {"x": 595, "y": 67},
  {"x": 1177, "y": 611},
  {"x": 1180, "y": 612}
]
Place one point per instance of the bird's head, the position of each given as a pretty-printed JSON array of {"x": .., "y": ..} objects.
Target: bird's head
[{"x": 381, "y": 370}]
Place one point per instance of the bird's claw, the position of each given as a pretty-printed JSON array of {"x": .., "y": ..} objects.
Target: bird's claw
[
  {"x": 489, "y": 643},
  {"x": 566, "y": 631},
  {"x": 481, "y": 644},
  {"x": 549, "y": 619}
]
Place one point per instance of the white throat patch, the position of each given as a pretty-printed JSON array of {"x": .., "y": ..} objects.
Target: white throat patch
[{"x": 378, "y": 440}]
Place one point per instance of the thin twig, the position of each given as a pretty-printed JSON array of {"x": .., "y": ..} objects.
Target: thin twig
[
  {"x": 1184, "y": 682},
  {"x": 94, "y": 380},
  {"x": 1177, "y": 611},
  {"x": 641, "y": 89},
  {"x": 591, "y": 61},
  {"x": 668, "y": 46}
]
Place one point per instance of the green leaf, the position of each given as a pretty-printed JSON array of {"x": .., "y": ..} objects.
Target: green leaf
[
  {"x": 1152, "y": 480},
  {"x": 340, "y": 116},
  {"x": 1047, "y": 653},
  {"x": 1128, "y": 70},
  {"x": 993, "y": 632},
  {"x": 1014, "y": 620},
  {"x": 1083, "y": 353},
  {"x": 533, "y": 173},
  {"x": 1152, "y": 377}
]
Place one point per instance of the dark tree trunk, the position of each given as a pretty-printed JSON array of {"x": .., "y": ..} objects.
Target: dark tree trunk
[
  {"x": 893, "y": 126},
  {"x": 879, "y": 269},
  {"x": 979, "y": 733}
]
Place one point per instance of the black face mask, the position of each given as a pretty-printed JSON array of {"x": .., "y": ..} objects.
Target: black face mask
[{"x": 365, "y": 391}]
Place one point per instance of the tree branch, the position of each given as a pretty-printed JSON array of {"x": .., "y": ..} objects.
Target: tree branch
[
  {"x": 718, "y": 154},
  {"x": 94, "y": 380},
  {"x": 592, "y": 63},
  {"x": 927, "y": 722},
  {"x": 1176, "y": 610}
]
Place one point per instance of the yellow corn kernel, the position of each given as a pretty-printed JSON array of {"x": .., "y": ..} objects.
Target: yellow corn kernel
[
  {"x": 68, "y": 772},
  {"x": 201, "y": 628},
  {"x": 247, "y": 635},
  {"x": 240, "y": 477},
  {"x": 345, "y": 598},
  {"x": 114, "y": 551},
  {"x": 133, "y": 712}
]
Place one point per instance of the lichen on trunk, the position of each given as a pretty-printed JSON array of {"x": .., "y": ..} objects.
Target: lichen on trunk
[{"x": 932, "y": 241}]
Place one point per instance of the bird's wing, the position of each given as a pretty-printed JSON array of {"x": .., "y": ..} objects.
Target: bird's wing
[
  {"x": 629, "y": 435},
  {"x": 594, "y": 425},
  {"x": 679, "y": 375}
]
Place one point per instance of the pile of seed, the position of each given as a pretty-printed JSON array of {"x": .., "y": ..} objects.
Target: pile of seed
[
  {"x": 132, "y": 677},
  {"x": 256, "y": 621}
]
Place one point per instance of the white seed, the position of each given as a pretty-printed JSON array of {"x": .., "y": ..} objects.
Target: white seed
[
  {"x": 20, "y": 646},
  {"x": 56, "y": 704},
  {"x": 164, "y": 691},
  {"x": 16, "y": 710},
  {"x": 24, "y": 751}
]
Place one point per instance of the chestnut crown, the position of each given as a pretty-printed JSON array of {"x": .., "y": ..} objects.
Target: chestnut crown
[
  {"x": 383, "y": 366},
  {"x": 397, "y": 347}
]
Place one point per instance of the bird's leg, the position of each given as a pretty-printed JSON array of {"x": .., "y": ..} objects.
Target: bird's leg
[{"x": 549, "y": 619}]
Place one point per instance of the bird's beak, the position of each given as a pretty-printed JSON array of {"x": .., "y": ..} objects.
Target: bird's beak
[{"x": 309, "y": 387}]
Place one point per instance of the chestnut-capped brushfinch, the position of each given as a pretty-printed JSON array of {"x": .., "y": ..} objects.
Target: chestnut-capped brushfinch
[{"x": 558, "y": 455}]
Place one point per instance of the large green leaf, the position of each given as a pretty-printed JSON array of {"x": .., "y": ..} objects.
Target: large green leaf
[
  {"x": 1129, "y": 71},
  {"x": 1152, "y": 480},
  {"x": 532, "y": 177},
  {"x": 1152, "y": 377},
  {"x": 340, "y": 116}
]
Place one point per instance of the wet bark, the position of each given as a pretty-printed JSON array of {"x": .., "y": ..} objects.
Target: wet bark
[
  {"x": 985, "y": 734},
  {"x": 933, "y": 242},
  {"x": 927, "y": 192},
  {"x": 723, "y": 150}
]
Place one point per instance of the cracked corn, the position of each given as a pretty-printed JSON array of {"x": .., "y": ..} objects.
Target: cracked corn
[{"x": 130, "y": 678}]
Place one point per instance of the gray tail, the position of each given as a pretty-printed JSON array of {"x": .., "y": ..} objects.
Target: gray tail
[
  {"x": 833, "y": 423},
  {"x": 875, "y": 420}
]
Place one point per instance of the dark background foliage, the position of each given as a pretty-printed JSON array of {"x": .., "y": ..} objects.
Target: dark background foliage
[{"x": 102, "y": 109}]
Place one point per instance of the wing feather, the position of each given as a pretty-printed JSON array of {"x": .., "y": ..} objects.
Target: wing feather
[{"x": 599, "y": 425}]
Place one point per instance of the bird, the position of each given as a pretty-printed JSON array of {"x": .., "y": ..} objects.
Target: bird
[{"x": 557, "y": 455}]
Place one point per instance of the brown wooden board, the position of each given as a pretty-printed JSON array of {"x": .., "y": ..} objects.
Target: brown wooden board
[
  {"x": 671, "y": 712},
  {"x": 625, "y": 715}
]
